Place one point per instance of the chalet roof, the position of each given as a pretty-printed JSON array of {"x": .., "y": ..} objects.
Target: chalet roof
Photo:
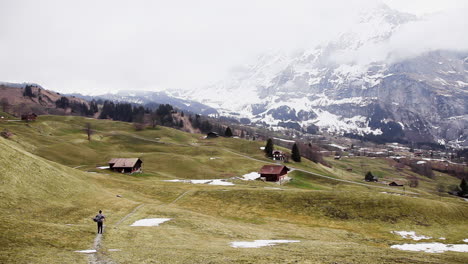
[
  {"x": 272, "y": 169},
  {"x": 124, "y": 163},
  {"x": 397, "y": 182}
]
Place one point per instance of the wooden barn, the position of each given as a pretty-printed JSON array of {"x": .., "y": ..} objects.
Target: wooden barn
[
  {"x": 212, "y": 135},
  {"x": 395, "y": 183},
  {"x": 29, "y": 117},
  {"x": 125, "y": 165},
  {"x": 273, "y": 172}
]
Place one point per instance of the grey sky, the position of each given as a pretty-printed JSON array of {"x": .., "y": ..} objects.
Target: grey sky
[{"x": 99, "y": 46}]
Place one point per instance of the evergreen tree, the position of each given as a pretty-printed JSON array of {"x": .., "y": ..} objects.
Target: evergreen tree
[
  {"x": 206, "y": 126},
  {"x": 63, "y": 102},
  {"x": 269, "y": 148},
  {"x": 93, "y": 107},
  {"x": 108, "y": 110},
  {"x": 228, "y": 132},
  {"x": 369, "y": 177},
  {"x": 295, "y": 155},
  {"x": 463, "y": 187},
  {"x": 242, "y": 135},
  {"x": 28, "y": 91}
]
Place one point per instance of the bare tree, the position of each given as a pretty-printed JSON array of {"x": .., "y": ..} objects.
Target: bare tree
[
  {"x": 413, "y": 181},
  {"x": 5, "y": 104},
  {"x": 88, "y": 130},
  {"x": 154, "y": 118},
  {"x": 139, "y": 126}
]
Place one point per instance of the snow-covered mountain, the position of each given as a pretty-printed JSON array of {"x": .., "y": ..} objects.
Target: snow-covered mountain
[{"x": 341, "y": 88}]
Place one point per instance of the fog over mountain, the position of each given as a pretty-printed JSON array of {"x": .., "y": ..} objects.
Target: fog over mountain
[{"x": 362, "y": 83}]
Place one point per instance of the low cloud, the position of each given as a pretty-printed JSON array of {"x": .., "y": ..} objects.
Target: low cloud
[
  {"x": 102, "y": 46},
  {"x": 438, "y": 31}
]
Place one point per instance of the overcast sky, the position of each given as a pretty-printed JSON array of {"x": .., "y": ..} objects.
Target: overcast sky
[{"x": 101, "y": 46}]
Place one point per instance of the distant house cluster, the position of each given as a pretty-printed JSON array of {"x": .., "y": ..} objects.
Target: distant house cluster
[
  {"x": 279, "y": 155},
  {"x": 125, "y": 165}
]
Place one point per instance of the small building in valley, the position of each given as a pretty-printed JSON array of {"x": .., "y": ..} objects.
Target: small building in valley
[
  {"x": 124, "y": 165},
  {"x": 395, "y": 183},
  {"x": 273, "y": 172},
  {"x": 29, "y": 117},
  {"x": 279, "y": 155},
  {"x": 212, "y": 135}
]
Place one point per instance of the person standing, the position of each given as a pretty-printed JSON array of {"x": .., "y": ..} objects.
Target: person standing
[{"x": 100, "y": 220}]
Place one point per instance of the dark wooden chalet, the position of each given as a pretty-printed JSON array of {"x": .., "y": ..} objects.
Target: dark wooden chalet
[
  {"x": 29, "y": 117},
  {"x": 125, "y": 165},
  {"x": 394, "y": 183},
  {"x": 279, "y": 155},
  {"x": 273, "y": 172},
  {"x": 212, "y": 135}
]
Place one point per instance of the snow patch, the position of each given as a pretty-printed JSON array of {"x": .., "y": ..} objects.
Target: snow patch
[
  {"x": 251, "y": 176},
  {"x": 432, "y": 247},
  {"x": 260, "y": 243},
  {"x": 210, "y": 182},
  {"x": 410, "y": 235},
  {"x": 285, "y": 140},
  {"x": 461, "y": 84},
  {"x": 103, "y": 167},
  {"x": 220, "y": 182},
  {"x": 87, "y": 251},
  {"x": 465, "y": 240},
  {"x": 150, "y": 222}
]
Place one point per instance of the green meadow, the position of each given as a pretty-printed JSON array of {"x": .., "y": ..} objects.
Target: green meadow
[{"x": 51, "y": 188}]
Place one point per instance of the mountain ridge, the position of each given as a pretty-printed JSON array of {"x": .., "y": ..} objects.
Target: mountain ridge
[{"x": 333, "y": 88}]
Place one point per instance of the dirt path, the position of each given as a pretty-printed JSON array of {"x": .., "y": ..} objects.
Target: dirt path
[
  {"x": 99, "y": 257},
  {"x": 157, "y": 141},
  {"x": 178, "y": 198},
  {"x": 128, "y": 215}
]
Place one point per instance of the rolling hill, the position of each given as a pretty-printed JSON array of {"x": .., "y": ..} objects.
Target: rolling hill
[{"x": 14, "y": 100}]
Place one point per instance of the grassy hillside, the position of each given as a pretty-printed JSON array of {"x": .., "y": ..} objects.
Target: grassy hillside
[
  {"x": 51, "y": 180},
  {"x": 46, "y": 206}
]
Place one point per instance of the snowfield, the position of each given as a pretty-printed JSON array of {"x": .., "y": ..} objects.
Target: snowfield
[
  {"x": 432, "y": 247},
  {"x": 150, "y": 222},
  {"x": 410, "y": 235},
  {"x": 210, "y": 182},
  {"x": 87, "y": 251},
  {"x": 260, "y": 243},
  {"x": 250, "y": 176}
]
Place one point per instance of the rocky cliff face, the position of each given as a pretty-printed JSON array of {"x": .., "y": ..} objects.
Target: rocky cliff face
[{"x": 420, "y": 99}]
